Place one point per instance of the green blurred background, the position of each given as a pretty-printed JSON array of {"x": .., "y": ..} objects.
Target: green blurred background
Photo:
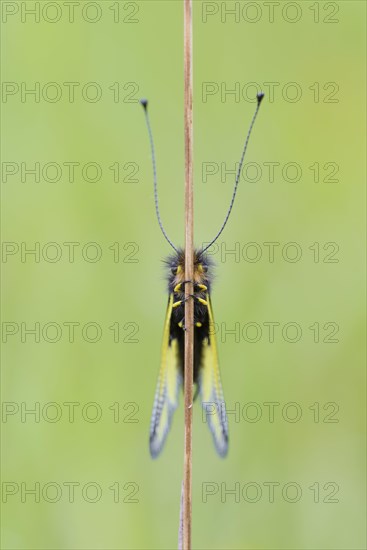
[{"x": 139, "y": 46}]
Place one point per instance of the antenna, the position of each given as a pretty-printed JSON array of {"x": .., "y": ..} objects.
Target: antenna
[
  {"x": 144, "y": 103},
  {"x": 260, "y": 96}
]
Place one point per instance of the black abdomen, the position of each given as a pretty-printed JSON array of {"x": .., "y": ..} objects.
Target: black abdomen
[{"x": 200, "y": 333}]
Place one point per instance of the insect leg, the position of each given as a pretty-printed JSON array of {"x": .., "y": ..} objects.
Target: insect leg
[
  {"x": 178, "y": 287},
  {"x": 180, "y": 302}
]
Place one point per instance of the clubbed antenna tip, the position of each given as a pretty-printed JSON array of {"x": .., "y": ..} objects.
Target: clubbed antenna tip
[
  {"x": 260, "y": 96},
  {"x": 144, "y": 103}
]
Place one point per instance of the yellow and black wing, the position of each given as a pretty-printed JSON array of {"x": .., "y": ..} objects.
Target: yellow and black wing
[
  {"x": 169, "y": 382},
  {"x": 211, "y": 391}
]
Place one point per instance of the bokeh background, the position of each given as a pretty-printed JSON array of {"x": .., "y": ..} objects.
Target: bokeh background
[{"x": 133, "y": 50}]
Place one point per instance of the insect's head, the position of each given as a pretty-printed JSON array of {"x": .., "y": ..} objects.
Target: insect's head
[{"x": 176, "y": 266}]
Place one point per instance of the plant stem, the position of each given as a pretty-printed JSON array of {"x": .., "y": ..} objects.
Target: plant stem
[{"x": 189, "y": 273}]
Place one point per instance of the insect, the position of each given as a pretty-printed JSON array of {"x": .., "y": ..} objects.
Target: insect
[{"x": 206, "y": 369}]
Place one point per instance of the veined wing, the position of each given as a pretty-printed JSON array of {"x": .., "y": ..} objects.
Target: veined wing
[
  {"x": 169, "y": 382},
  {"x": 211, "y": 389}
]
